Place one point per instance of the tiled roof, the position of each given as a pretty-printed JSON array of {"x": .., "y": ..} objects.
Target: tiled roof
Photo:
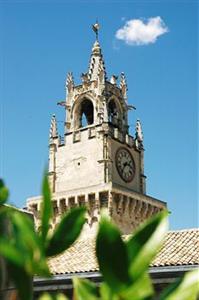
[
  {"x": 180, "y": 248},
  {"x": 80, "y": 257}
]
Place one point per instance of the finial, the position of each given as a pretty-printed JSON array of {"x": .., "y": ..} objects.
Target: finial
[
  {"x": 84, "y": 77},
  {"x": 69, "y": 82},
  {"x": 113, "y": 79},
  {"x": 53, "y": 128},
  {"x": 139, "y": 133},
  {"x": 96, "y": 28},
  {"x": 123, "y": 85}
]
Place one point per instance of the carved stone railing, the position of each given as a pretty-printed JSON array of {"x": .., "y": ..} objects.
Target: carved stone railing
[{"x": 127, "y": 209}]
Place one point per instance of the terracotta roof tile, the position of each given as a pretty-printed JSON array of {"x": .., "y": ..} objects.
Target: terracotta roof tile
[{"x": 180, "y": 248}]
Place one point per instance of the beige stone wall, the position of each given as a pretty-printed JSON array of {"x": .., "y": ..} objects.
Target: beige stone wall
[
  {"x": 85, "y": 161},
  {"x": 78, "y": 162},
  {"x": 83, "y": 172}
]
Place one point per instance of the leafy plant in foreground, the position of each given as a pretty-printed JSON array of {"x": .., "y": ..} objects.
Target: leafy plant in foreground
[
  {"x": 25, "y": 251},
  {"x": 123, "y": 264}
]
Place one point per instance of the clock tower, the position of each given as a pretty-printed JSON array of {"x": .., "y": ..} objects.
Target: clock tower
[{"x": 98, "y": 163}]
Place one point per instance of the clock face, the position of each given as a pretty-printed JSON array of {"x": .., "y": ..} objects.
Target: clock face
[{"x": 125, "y": 164}]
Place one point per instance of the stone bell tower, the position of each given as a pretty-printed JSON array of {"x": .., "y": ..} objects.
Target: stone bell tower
[{"x": 98, "y": 163}]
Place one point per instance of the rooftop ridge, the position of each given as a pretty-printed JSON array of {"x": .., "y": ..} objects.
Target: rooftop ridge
[{"x": 184, "y": 230}]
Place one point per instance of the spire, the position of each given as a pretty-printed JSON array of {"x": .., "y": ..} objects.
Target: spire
[
  {"x": 53, "y": 129},
  {"x": 96, "y": 66},
  {"x": 123, "y": 85}
]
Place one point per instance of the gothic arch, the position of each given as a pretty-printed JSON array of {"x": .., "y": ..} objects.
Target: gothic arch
[
  {"x": 83, "y": 112},
  {"x": 115, "y": 112}
]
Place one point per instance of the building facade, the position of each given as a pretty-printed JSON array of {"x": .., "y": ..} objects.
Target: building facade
[{"x": 98, "y": 163}]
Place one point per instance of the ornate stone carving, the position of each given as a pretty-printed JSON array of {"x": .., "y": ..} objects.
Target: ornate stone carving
[
  {"x": 113, "y": 79},
  {"x": 138, "y": 135},
  {"x": 53, "y": 129},
  {"x": 69, "y": 82},
  {"x": 123, "y": 85}
]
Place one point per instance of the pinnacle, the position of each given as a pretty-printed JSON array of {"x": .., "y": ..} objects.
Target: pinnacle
[
  {"x": 53, "y": 128},
  {"x": 96, "y": 50}
]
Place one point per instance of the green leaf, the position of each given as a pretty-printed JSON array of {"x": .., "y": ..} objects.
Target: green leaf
[
  {"x": 112, "y": 256},
  {"x": 4, "y": 192},
  {"x": 145, "y": 243},
  {"x": 23, "y": 246},
  {"x": 29, "y": 244},
  {"x": 9, "y": 252},
  {"x": 106, "y": 293},
  {"x": 22, "y": 282},
  {"x": 186, "y": 288},
  {"x": 46, "y": 208},
  {"x": 84, "y": 289},
  {"x": 67, "y": 231},
  {"x": 141, "y": 289},
  {"x": 47, "y": 296},
  {"x": 4, "y": 209}
]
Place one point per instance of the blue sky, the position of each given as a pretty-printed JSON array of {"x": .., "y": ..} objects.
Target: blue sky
[{"x": 42, "y": 41}]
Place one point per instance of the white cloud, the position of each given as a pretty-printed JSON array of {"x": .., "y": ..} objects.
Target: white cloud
[{"x": 138, "y": 32}]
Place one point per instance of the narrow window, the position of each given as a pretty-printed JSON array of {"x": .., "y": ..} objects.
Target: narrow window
[
  {"x": 112, "y": 113},
  {"x": 86, "y": 113}
]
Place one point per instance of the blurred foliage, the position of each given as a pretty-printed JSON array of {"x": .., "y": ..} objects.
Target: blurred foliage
[
  {"x": 123, "y": 264},
  {"x": 24, "y": 250}
]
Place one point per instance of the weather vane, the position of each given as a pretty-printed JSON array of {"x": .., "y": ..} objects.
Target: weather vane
[{"x": 96, "y": 28}]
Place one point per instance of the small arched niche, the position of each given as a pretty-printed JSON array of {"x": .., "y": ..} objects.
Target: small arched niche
[
  {"x": 113, "y": 114},
  {"x": 84, "y": 114}
]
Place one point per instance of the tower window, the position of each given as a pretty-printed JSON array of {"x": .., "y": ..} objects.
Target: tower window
[
  {"x": 86, "y": 113},
  {"x": 113, "y": 113}
]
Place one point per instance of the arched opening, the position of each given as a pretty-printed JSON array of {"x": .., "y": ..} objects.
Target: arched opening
[
  {"x": 85, "y": 113},
  {"x": 113, "y": 112}
]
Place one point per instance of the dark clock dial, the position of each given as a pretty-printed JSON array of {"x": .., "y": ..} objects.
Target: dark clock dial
[{"x": 125, "y": 164}]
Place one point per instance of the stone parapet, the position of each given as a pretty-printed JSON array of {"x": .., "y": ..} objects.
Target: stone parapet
[
  {"x": 127, "y": 209},
  {"x": 93, "y": 131}
]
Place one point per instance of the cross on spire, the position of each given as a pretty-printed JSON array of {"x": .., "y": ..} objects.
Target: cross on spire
[{"x": 96, "y": 28}]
